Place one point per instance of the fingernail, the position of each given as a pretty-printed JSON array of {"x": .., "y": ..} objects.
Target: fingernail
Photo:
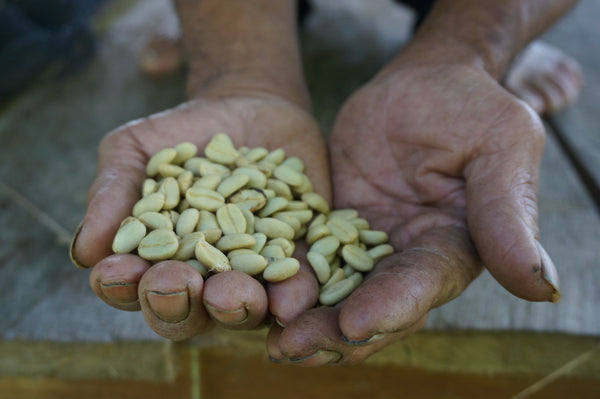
[
  {"x": 72, "y": 248},
  {"x": 170, "y": 307},
  {"x": 275, "y": 360},
  {"x": 122, "y": 293},
  {"x": 320, "y": 357},
  {"x": 533, "y": 100},
  {"x": 279, "y": 322},
  {"x": 549, "y": 273},
  {"x": 231, "y": 317},
  {"x": 366, "y": 341}
]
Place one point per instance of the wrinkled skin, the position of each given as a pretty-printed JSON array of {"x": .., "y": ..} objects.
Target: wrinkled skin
[
  {"x": 446, "y": 161},
  {"x": 175, "y": 300}
]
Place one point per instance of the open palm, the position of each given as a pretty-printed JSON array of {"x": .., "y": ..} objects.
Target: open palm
[
  {"x": 446, "y": 162},
  {"x": 175, "y": 300}
]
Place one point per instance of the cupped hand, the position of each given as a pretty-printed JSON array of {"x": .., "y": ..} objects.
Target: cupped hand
[
  {"x": 177, "y": 303},
  {"x": 447, "y": 162}
]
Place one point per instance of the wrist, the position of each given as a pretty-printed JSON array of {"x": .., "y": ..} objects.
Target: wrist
[
  {"x": 484, "y": 34},
  {"x": 432, "y": 53},
  {"x": 223, "y": 84},
  {"x": 243, "y": 47}
]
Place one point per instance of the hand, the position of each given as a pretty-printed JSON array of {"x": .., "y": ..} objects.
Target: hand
[
  {"x": 446, "y": 161},
  {"x": 175, "y": 300}
]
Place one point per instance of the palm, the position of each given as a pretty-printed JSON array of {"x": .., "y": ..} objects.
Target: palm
[
  {"x": 400, "y": 152},
  {"x": 249, "y": 121},
  {"x": 446, "y": 162},
  {"x": 176, "y": 302}
]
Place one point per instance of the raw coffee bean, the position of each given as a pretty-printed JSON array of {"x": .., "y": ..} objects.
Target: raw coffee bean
[
  {"x": 326, "y": 246},
  {"x": 159, "y": 244},
  {"x": 316, "y": 202},
  {"x": 156, "y": 220},
  {"x": 204, "y": 199},
  {"x": 207, "y": 167},
  {"x": 373, "y": 237},
  {"x": 129, "y": 235},
  {"x": 380, "y": 251},
  {"x": 304, "y": 216},
  {"x": 261, "y": 240},
  {"x": 280, "y": 188},
  {"x": 209, "y": 182},
  {"x": 150, "y": 186},
  {"x": 344, "y": 214},
  {"x": 151, "y": 203},
  {"x": 342, "y": 229},
  {"x": 336, "y": 275},
  {"x": 185, "y": 180},
  {"x": 336, "y": 292},
  {"x": 273, "y": 205},
  {"x": 235, "y": 241},
  {"x": 281, "y": 269},
  {"x": 170, "y": 188},
  {"x": 187, "y": 222},
  {"x": 184, "y": 151},
  {"x": 276, "y": 156},
  {"x": 232, "y": 183},
  {"x": 320, "y": 266},
  {"x": 251, "y": 199},
  {"x": 169, "y": 170},
  {"x": 274, "y": 228},
  {"x": 288, "y": 246},
  {"x": 211, "y": 257},
  {"x": 251, "y": 264},
  {"x": 316, "y": 233},
  {"x": 257, "y": 179},
  {"x": 358, "y": 258},
  {"x": 288, "y": 175},
  {"x": 272, "y": 252},
  {"x": 221, "y": 154},
  {"x": 231, "y": 219},
  {"x": 187, "y": 246},
  {"x": 166, "y": 155}
]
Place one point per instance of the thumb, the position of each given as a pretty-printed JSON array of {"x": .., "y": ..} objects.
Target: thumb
[
  {"x": 502, "y": 212},
  {"x": 121, "y": 171}
]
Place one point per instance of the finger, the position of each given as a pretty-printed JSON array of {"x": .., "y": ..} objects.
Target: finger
[
  {"x": 502, "y": 211},
  {"x": 391, "y": 304},
  {"x": 170, "y": 295},
  {"x": 235, "y": 300},
  {"x": 290, "y": 297},
  {"x": 121, "y": 170},
  {"x": 431, "y": 270},
  {"x": 115, "y": 280},
  {"x": 532, "y": 97},
  {"x": 315, "y": 339}
]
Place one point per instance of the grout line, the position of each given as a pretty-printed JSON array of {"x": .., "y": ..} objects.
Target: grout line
[
  {"x": 63, "y": 236},
  {"x": 195, "y": 380},
  {"x": 170, "y": 369},
  {"x": 559, "y": 372}
]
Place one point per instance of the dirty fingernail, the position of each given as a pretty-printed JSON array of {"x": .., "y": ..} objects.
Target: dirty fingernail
[
  {"x": 120, "y": 292},
  {"x": 320, "y": 357},
  {"x": 74, "y": 259},
  {"x": 231, "y": 317},
  {"x": 170, "y": 307},
  {"x": 366, "y": 341},
  {"x": 549, "y": 273},
  {"x": 279, "y": 322}
]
